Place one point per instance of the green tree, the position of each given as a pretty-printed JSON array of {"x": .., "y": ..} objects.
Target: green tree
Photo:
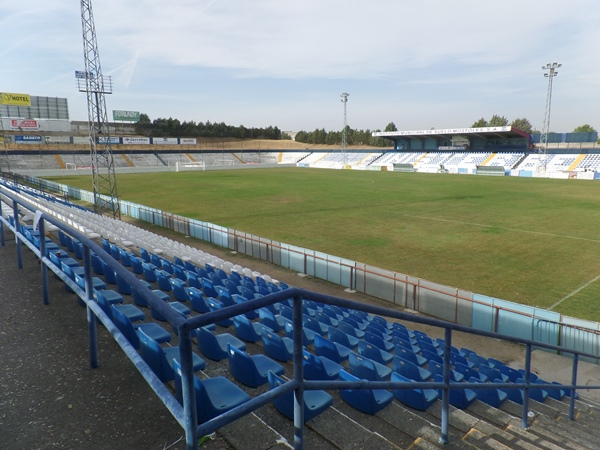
[
  {"x": 480, "y": 123},
  {"x": 584, "y": 129},
  {"x": 522, "y": 124},
  {"x": 498, "y": 121},
  {"x": 144, "y": 126},
  {"x": 391, "y": 127}
]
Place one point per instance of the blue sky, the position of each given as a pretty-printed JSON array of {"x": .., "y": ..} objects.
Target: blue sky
[{"x": 432, "y": 63}]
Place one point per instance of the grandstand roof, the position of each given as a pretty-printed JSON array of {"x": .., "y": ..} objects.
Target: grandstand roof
[{"x": 485, "y": 132}]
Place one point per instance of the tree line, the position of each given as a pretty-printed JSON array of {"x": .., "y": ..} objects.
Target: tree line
[
  {"x": 522, "y": 124},
  {"x": 174, "y": 128}
]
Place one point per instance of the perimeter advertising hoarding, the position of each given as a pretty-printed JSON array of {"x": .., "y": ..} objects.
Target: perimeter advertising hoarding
[
  {"x": 28, "y": 139},
  {"x": 57, "y": 139},
  {"x": 136, "y": 140},
  {"x": 108, "y": 140},
  {"x": 187, "y": 141},
  {"x": 11, "y": 99},
  {"x": 164, "y": 141},
  {"x": 81, "y": 140},
  {"x": 126, "y": 116},
  {"x": 24, "y": 124}
]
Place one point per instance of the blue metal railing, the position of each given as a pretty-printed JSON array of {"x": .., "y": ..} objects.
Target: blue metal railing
[{"x": 186, "y": 414}]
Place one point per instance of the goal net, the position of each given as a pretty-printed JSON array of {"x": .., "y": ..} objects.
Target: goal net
[{"x": 180, "y": 167}]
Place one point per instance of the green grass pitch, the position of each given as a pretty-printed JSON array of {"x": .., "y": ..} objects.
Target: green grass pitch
[{"x": 532, "y": 241}]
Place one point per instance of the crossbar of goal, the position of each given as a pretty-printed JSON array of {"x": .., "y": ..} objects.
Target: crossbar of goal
[{"x": 180, "y": 167}]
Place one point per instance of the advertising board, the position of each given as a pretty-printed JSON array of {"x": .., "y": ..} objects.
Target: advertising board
[
  {"x": 126, "y": 116},
  {"x": 24, "y": 124},
  {"x": 187, "y": 141},
  {"x": 164, "y": 141},
  {"x": 136, "y": 140},
  {"x": 108, "y": 140},
  {"x": 28, "y": 139},
  {"x": 11, "y": 99}
]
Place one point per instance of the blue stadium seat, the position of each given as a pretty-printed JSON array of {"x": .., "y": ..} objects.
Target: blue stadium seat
[
  {"x": 367, "y": 369},
  {"x": 315, "y": 402},
  {"x": 374, "y": 353},
  {"x": 459, "y": 398},
  {"x": 369, "y": 401},
  {"x": 214, "y": 346},
  {"x": 420, "y": 399},
  {"x": 282, "y": 349},
  {"x": 214, "y": 396},
  {"x": 410, "y": 370},
  {"x": 319, "y": 367},
  {"x": 252, "y": 370},
  {"x": 155, "y": 331},
  {"x": 331, "y": 350},
  {"x": 161, "y": 359},
  {"x": 247, "y": 330}
]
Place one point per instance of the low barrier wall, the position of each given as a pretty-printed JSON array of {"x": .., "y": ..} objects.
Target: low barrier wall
[{"x": 436, "y": 300}]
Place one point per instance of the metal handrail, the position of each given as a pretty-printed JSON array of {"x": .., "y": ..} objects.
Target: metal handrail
[{"x": 186, "y": 414}]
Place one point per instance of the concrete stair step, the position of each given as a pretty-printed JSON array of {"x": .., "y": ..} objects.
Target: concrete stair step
[{"x": 563, "y": 434}]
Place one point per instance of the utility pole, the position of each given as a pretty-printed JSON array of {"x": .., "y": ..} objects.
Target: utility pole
[
  {"x": 91, "y": 81},
  {"x": 344, "y": 131},
  {"x": 550, "y": 74}
]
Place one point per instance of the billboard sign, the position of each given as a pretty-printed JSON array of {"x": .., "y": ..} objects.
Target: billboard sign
[
  {"x": 108, "y": 140},
  {"x": 28, "y": 139},
  {"x": 187, "y": 141},
  {"x": 10, "y": 99},
  {"x": 24, "y": 124},
  {"x": 126, "y": 116},
  {"x": 136, "y": 140},
  {"x": 82, "y": 75},
  {"x": 164, "y": 141},
  {"x": 81, "y": 140}
]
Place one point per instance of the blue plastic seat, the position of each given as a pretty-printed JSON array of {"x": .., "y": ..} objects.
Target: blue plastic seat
[
  {"x": 459, "y": 398},
  {"x": 247, "y": 330},
  {"x": 214, "y": 396},
  {"x": 197, "y": 300},
  {"x": 313, "y": 324},
  {"x": 477, "y": 360},
  {"x": 374, "y": 353},
  {"x": 132, "y": 312},
  {"x": 350, "y": 330},
  {"x": 315, "y": 402},
  {"x": 179, "y": 272},
  {"x": 319, "y": 367},
  {"x": 214, "y": 346},
  {"x": 178, "y": 286},
  {"x": 149, "y": 274},
  {"x": 369, "y": 401},
  {"x": 123, "y": 286},
  {"x": 308, "y": 336},
  {"x": 160, "y": 359},
  {"x": 97, "y": 264},
  {"x": 252, "y": 370},
  {"x": 493, "y": 374},
  {"x": 327, "y": 320},
  {"x": 367, "y": 369},
  {"x": 136, "y": 265},
  {"x": 470, "y": 372},
  {"x": 406, "y": 342},
  {"x": 163, "y": 279},
  {"x": 280, "y": 348},
  {"x": 109, "y": 274},
  {"x": 342, "y": 338},
  {"x": 331, "y": 350},
  {"x": 274, "y": 321},
  {"x": 438, "y": 369},
  {"x": 493, "y": 397},
  {"x": 353, "y": 322},
  {"x": 215, "y": 305},
  {"x": 137, "y": 298},
  {"x": 410, "y": 370},
  {"x": 410, "y": 356},
  {"x": 512, "y": 374},
  {"x": 377, "y": 340},
  {"x": 208, "y": 288},
  {"x": 420, "y": 399},
  {"x": 155, "y": 331}
]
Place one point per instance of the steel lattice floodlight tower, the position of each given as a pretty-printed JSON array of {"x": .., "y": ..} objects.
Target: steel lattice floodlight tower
[
  {"x": 345, "y": 131},
  {"x": 550, "y": 74},
  {"x": 104, "y": 181}
]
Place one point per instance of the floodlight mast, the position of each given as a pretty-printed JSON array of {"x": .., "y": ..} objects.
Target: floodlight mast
[
  {"x": 345, "y": 96},
  {"x": 550, "y": 74},
  {"x": 106, "y": 199}
]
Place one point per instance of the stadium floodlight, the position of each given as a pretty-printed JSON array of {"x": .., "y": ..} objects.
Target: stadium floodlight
[
  {"x": 550, "y": 73},
  {"x": 345, "y": 96}
]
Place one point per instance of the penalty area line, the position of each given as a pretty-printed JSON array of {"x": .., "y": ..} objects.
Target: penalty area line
[{"x": 593, "y": 280}]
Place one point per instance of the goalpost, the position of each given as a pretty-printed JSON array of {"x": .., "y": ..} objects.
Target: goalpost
[{"x": 180, "y": 167}]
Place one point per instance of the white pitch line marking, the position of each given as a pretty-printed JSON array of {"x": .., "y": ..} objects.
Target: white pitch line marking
[{"x": 574, "y": 292}]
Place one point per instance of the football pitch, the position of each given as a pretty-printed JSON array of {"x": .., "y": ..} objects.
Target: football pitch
[{"x": 528, "y": 240}]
